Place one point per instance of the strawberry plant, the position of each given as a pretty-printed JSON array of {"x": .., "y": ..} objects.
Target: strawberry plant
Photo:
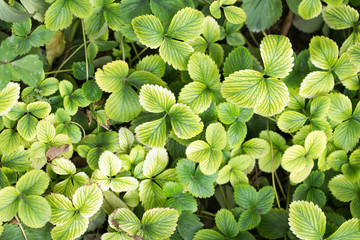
[{"x": 179, "y": 119}]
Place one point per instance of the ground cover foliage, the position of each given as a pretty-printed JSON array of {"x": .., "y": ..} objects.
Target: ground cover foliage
[{"x": 179, "y": 119}]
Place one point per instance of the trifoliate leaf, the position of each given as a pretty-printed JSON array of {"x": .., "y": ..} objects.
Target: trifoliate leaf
[
  {"x": 34, "y": 182},
  {"x": 198, "y": 184},
  {"x": 256, "y": 20},
  {"x": 175, "y": 53},
  {"x": 309, "y": 9},
  {"x": 323, "y": 52},
  {"x": 306, "y": 220},
  {"x": 9, "y": 97},
  {"x": 156, "y": 99},
  {"x": 277, "y": 56},
  {"x": 238, "y": 59},
  {"x": 88, "y": 199},
  {"x": 9, "y": 203},
  {"x": 149, "y": 30},
  {"x": 185, "y": 123},
  {"x": 340, "y": 17},
  {"x": 186, "y": 24},
  {"x": 248, "y": 88},
  {"x": 34, "y": 211},
  {"x": 229, "y": 113},
  {"x": 291, "y": 121}
]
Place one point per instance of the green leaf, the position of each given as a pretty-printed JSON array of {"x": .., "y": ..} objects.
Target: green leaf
[
  {"x": 208, "y": 234},
  {"x": 149, "y": 30},
  {"x": 58, "y": 16},
  {"x": 158, "y": 223},
  {"x": 340, "y": 107},
  {"x": 197, "y": 96},
  {"x": 34, "y": 211},
  {"x": 343, "y": 189},
  {"x": 188, "y": 225},
  {"x": 186, "y": 24},
  {"x": 151, "y": 194},
  {"x": 234, "y": 14},
  {"x": 203, "y": 69},
  {"x": 40, "y": 36},
  {"x": 175, "y": 53},
  {"x": 12, "y": 14},
  {"x": 216, "y": 136},
  {"x": 274, "y": 224},
  {"x": 340, "y": 17},
  {"x": 109, "y": 164},
  {"x": 34, "y": 182},
  {"x": 323, "y": 52},
  {"x": 152, "y": 133},
  {"x": 265, "y": 199},
  {"x": 245, "y": 196},
  {"x": 353, "y": 54},
  {"x": 166, "y": 9},
  {"x": 9, "y": 97},
  {"x": 249, "y": 219},
  {"x": 139, "y": 78},
  {"x": 309, "y": 8},
  {"x": 126, "y": 138},
  {"x": 306, "y": 220},
  {"x": 316, "y": 83},
  {"x": 277, "y": 56},
  {"x": 9, "y": 203},
  {"x": 125, "y": 220},
  {"x": 346, "y": 134},
  {"x": 256, "y": 147},
  {"x": 124, "y": 184},
  {"x": 22, "y": 29},
  {"x": 248, "y": 88},
  {"x": 80, "y": 8},
  {"x": 127, "y": 100},
  {"x": 91, "y": 91},
  {"x": 211, "y": 30},
  {"x": 226, "y": 223},
  {"x": 256, "y": 20},
  {"x": 215, "y": 9},
  {"x": 156, "y": 99},
  {"x": 238, "y": 59},
  {"x": 294, "y": 159},
  {"x": 291, "y": 121},
  {"x": 18, "y": 160},
  {"x": 155, "y": 162},
  {"x": 63, "y": 166},
  {"x": 111, "y": 78},
  {"x": 61, "y": 208},
  {"x": 185, "y": 123},
  {"x": 45, "y": 131},
  {"x": 39, "y": 109},
  {"x": 10, "y": 141},
  {"x": 71, "y": 229},
  {"x": 130, "y": 9},
  {"x": 153, "y": 64},
  {"x": 315, "y": 144},
  {"x": 198, "y": 184},
  {"x": 88, "y": 200},
  {"x": 348, "y": 230},
  {"x": 229, "y": 113},
  {"x": 26, "y": 127}
]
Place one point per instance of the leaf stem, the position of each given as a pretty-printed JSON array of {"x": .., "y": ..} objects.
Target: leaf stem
[
  {"x": 253, "y": 38},
  {"x": 58, "y": 71},
  {"x": 67, "y": 59},
  {"x": 141, "y": 52},
  {"x": 272, "y": 163},
  {"x": 280, "y": 185},
  {"x": 207, "y": 213},
  {"x": 21, "y": 228},
  {"x": 204, "y": 216},
  {"x": 122, "y": 48},
  {"x": 135, "y": 50},
  {"x": 85, "y": 49},
  {"x": 224, "y": 197}
]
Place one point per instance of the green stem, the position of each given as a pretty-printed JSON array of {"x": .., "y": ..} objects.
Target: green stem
[
  {"x": 138, "y": 56},
  {"x": 272, "y": 163},
  {"x": 254, "y": 39},
  {"x": 207, "y": 213},
  {"x": 85, "y": 49},
  {"x": 264, "y": 33},
  {"x": 204, "y": 216},
  {"x": 59, "y": 71},
  {"x": 67, "y": 59},
  {"x": 280, "y": 186},
  {"x": 78, "y": 126},
  {"x": 135, "y": 50},
  {"x": 122, "y": 48},
  {"x": 224, "y": 197},
  {"x": 288, "y": 196}
]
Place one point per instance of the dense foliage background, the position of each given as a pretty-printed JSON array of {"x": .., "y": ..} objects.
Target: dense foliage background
[{"x": 179, "y": 119}]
